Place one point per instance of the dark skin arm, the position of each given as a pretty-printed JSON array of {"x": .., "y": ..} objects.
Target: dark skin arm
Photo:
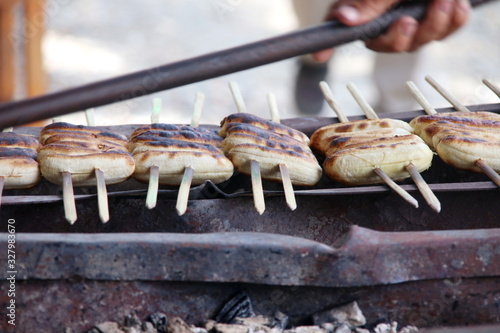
[{"x": 443, "y": 18}]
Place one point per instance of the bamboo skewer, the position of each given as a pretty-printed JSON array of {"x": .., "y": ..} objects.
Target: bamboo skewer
[
  {"x": 238, "y": 99},
  {"x": 365, "y": 106},
  {"x": 285, "y": 175},
  {"x": 187, "y": 178},
  {"x": 102, "y": 196},
  {"x": 449, "y": 97},
  {"x": 198, "y": 107},
  {"x": 273, "y": 107},
  {"x": 69, "y": 198},
  {"x": 154, "y": 171},
  {"x": 256, "y": 178},
  {"x": 183, "y": 195},
  {"x": 153, "y": 184},
  {"x": 257, "y": 190},
  {"x": 492, "y": 86},
  {"x": 420, "y": 98},
  {"x": 102, "y": 193},
  {"x": 89, "y": 116},
  {"x": 488, "y": 171},
  {"x": 155, "y": 113},
  {"x": 422, "y": 186},
  {"x": 327, "y": 93}
]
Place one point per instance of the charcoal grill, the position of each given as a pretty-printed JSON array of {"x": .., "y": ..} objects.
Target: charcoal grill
[{"x": 400, "y": 263}]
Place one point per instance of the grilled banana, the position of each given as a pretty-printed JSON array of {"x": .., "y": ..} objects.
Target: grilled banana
[
  {"x": 171, "y": 164},
  {"x": 355, "y": 164}
]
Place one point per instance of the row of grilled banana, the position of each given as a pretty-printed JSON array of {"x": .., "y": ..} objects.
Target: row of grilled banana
[{"x": 352, "y": 149}]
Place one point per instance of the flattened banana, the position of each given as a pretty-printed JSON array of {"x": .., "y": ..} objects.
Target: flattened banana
[
  {"x": 19, "y": 172},
  {"x": 475, "y": 119},
  {"x": 463, "y": 152},
  {"x": 355, "y": 165},
  {"x": 302, "y": 169},
  {"x": 320, "y": 138},
  {"x": 116, "y": 166},
  {"x": 214, "y": 167},
  {"x": 247, "y": 118}
]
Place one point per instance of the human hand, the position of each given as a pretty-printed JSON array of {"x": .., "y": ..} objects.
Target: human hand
[{"x": 442, "y": 18}]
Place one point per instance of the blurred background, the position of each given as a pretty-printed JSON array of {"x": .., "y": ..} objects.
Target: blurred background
[{"x": 90, "y": 40}]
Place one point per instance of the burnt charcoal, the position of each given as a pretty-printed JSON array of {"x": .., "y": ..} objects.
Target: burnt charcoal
[
  {"x": 230, "y": 328},
  {"x": 132, "y": 320},
  {"x": 109, "y": 327},
  {"x": 177, "y": 325},
  {"x": 238, "y": 306},
  {"x": 307, "y": 329},
  {"x": 280, "y": 320},
  {"x": 148, "y": 327},
  {"x": 159, "y": 321},
  {"x": 350, "y": 314},
  {"x": 93, "y": 330}
]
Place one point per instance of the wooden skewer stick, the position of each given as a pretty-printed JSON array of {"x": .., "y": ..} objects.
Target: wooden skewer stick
[
  {"x": 187, "y": 178},
  {"x": 370, "y": 114},
  {"x": 273, "y": 107},
  {"x": 396, "y": 188},
  {"x": 89, "y": 115},
  {"x": 285, "y": 175},
  {"x": 488, "y": 171},
  {"x": 492, "y": 86},
  {"x": 420, "y": 98},
  {"x": 8, "y": 129},
  {"x": 449, "y": 97},
  {"x": 258, "y": 192},
  {"x": 424, "y": 188},
  {"x": 102, "y": 196},
  {"x": 69, "y": 198},
  {"x": 183, "y": 195},
  {"x": 288, "y": 187},
  {"x": 327, "y": 93},
  {"x": 154, "y": 171},
  {"x": 153, "y": 184},
  {"x": 367, "y": 109},
  {"x": 238, "y": 99},
  {"x": 155, "y": 113},
  {"x": 198, "y": 107}
]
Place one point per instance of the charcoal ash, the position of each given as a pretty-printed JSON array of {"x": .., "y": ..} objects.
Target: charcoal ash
[
  {"x": 239, "y": 306},
  {"x": 237, "y": 316}
]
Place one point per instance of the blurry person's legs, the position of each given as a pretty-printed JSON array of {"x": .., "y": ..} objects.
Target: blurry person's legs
[
  {"x": 390, "y": 73},
  {"x": 307, "y": 93}
]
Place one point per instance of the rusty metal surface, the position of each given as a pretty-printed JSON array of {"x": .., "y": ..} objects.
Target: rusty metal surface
[
  {"x": 363, "y": 258},
  {"x": 320, "y": 218}
]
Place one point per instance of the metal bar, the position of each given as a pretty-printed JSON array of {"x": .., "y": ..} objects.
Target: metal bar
[
  {"x": 366, "y": 257},
  {"x": 200, "y": 68}
]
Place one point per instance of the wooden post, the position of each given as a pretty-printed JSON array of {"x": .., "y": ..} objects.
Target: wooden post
[{"x": 7, "y": 73}]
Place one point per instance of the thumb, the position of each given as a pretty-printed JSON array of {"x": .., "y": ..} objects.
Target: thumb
[{"x": 355, "y": 12}]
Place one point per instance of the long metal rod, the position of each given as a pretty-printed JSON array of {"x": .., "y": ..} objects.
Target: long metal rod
[{"x": 200, "y": 68}]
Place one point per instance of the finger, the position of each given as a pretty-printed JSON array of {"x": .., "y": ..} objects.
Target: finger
[
  {"x": 443, "y": 18},
  {"x": 323, "y": 55},
  {"x": 398, "y": 38},
  {"x": 355, "y": 12}
]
